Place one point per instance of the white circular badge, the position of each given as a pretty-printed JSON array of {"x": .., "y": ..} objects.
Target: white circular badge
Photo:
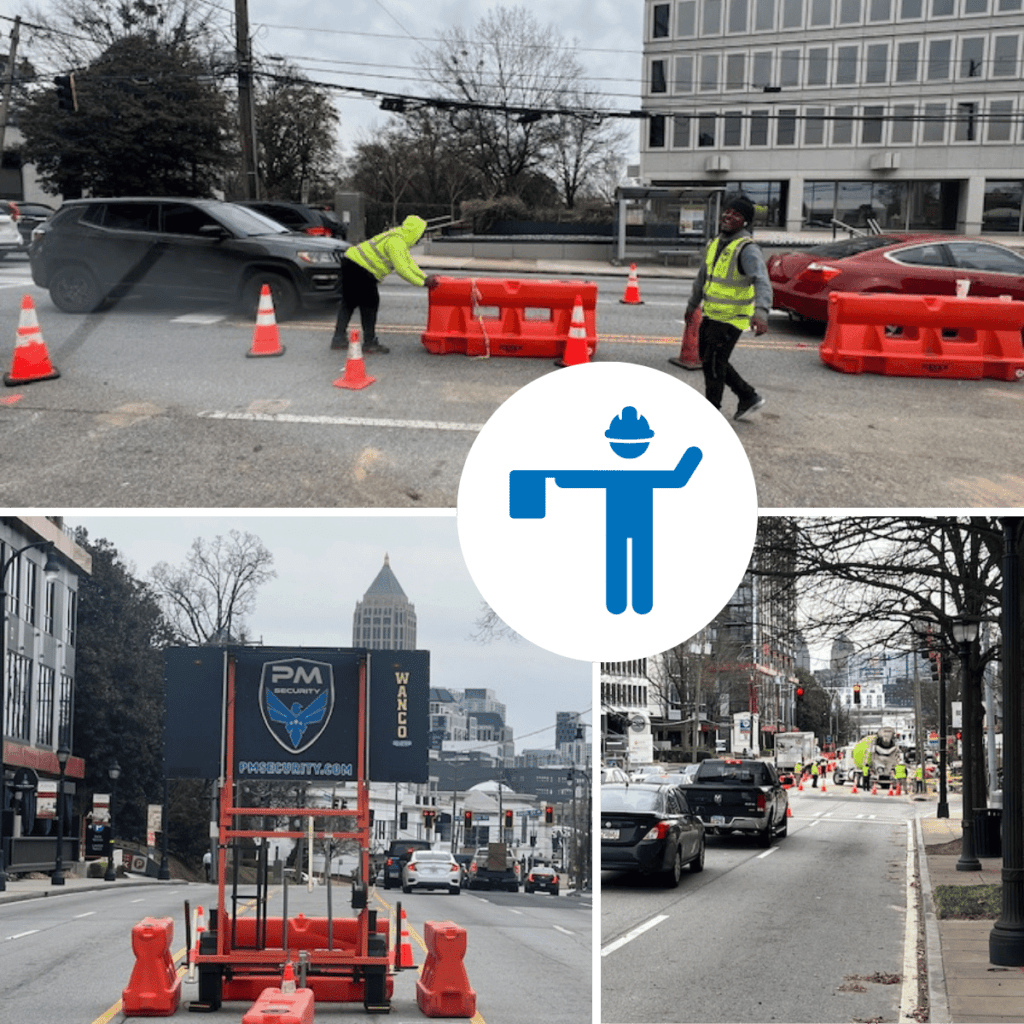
[{"x": 607, "y": 511}]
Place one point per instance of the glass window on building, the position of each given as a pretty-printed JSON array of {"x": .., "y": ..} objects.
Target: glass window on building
[
  {"x": 656, "y": 132},
  {"x": 939, "y": 53},
  {"x": 658, "y": 83},
  {"x": 819, "y": 203},
  {"x": 1004, "y": 201},
  {"x": 933, "y": 205},
  {"x": 792, "y": 13},
  {"x": 943, "y": 8},
  {"x": 876, "y": 62},
  {"x": 1007, "y": 6},
  {"x": 1004, "y": 56},
  {"x": 842, "y": 126},
  {"x": 879, "y": 10},
  {"x": 903, "y": 123},
  {"x": 908, "y": 59},
  {"x": 821, "y": 13},
  {"x": 686, "y": 19},
  {"x": 911, "y": 10},
  {"x": 759, "y": 128},
  {"x": 849, "y": 12},
  {"x": 871, "y": 126},
  {"x": 712, "y": 18},
  {"x": 933, "y": 127},
  {"x": 785, "y": 134},
  {"x": 972, "y": 50},
  {"x": 737, "y": 16},
  {"x": 681, "y": 131},
  {"x": 764, "y": 15},
  {"x": 736, "y": 71},
  {"x": 814, "y": 126},
  {"x": 762, "y": 70},
  {"x": 706, "y": 129},
  {"x": 975, "y": 6},
  {"x": 709, "y": 72},
  {"x": 789, "y": 68},
  {"x": 965, "y": 128},
  {"x": 732, "y": 129},
  {"x": 659, "y": 27},
  {"x": 768, "y": 198},
  {"x": 817, "y": 65},
  {"x": 44, "y": 706},
  {"x": 854, "y": 203},
  {"x": 684, "y": 74},
  {"x": 846, "y": 65},
  {"x": 1000, "y": 120}
]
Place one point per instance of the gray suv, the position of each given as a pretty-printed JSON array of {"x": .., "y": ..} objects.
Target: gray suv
[{"x": 92, "y": 252}]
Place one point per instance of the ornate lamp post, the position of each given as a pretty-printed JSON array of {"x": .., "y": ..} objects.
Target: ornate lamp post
[
  {"x": 965, "y": 632},
  {"x": 57, "y": 878},
  {"x": 114, "y": 771},
  {"x": 942, "y": 811},
  {"x": 1006, "y": 940},
  {"x": 50, "y": 570}
]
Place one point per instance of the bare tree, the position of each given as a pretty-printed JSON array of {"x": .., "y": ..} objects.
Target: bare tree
[
  {"x": 206, "y": 599},
  {"x": 490, "y": 627}
]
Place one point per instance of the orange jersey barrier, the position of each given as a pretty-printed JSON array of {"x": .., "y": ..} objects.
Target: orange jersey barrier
[
  {"x": 499, "y": 317},
  {"x": 154, "y": 989},
  {"x": 277, "y": 1007},
  {"x": 443, "y": 988},
  {"x": 924, "y": 336}
]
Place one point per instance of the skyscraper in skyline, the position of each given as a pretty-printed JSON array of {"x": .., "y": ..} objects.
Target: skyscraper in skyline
[{"x": 385, "y": 619}]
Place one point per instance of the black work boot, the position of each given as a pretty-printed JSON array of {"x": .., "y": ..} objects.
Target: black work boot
[{"x": 372, "y": 347}]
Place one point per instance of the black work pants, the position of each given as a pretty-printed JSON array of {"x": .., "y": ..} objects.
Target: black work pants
[
  {"x": 358, "y": 291},
  {"x": 715, "y": 343}
]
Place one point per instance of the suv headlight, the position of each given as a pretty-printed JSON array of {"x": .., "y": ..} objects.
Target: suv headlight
[{"x": 318, "y": 256}]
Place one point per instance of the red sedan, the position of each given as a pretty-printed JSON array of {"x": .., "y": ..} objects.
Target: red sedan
[{"x": 905, "y": 264}]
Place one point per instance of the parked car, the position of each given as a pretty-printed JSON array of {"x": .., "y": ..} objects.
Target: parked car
[
  {"x": 306, "y": 220},
  {"x": 27, "y": 217},
  {"x": 650, "y": 829},
  {"x": 901, "y": 264},
  {"x": 10, "y": 237},
  {"x": 432, "y": 869},
  {"x": 543, "y": 878},
  {"x": 613, "y": 775},
  {"x": 92, "y": 252}
]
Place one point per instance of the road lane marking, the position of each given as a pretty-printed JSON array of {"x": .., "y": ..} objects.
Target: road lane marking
[
  {"x": 21, "y": 935},
  {"x": 815, "y": 822},
  {"x": 768, "y": 852},
  {"x": 137, "y": 901},
  {"x": 564, "y": 931},
  {"x": 340, "y": 421},
  {"x": 908, "y": 993},
  {"x": 88, "y": 913},
  {"x": 635, "y": 933}
]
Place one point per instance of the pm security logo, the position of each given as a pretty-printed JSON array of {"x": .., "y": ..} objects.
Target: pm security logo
[
  {"x": 607, "y": 512},
  {"x": 297, "y": 700}
]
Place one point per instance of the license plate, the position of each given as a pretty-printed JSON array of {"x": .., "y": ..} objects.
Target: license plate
[
  {"x": 609, "y": 833},
  {"x": 717, "y": 819}
]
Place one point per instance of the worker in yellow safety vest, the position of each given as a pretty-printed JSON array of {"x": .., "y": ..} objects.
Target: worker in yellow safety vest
[
  {"x": 919, "y": 779},
  {"x": 736, "y": 293},
  {"x": 364, "y": 266},
  {"x": 900, "y": 774},
  {"x": 815, "y": 771}
]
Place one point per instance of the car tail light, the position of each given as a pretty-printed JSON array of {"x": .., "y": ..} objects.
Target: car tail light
[
  {"x": 390, "y": 861},
  {"x": 410, "y": 867},
  {"x": 554, "y": 879},
  {"x": 315, "y": 230},
  {"x": 530, "y": 877},
  {"x": 660, "y": 831},
  {"x": 761, "y": 802},
  {"x": 820, "y": 270},
  {"x": 453, "y": 867}
]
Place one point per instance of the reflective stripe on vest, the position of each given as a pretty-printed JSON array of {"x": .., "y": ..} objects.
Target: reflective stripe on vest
[
  {"x": 728, "y": 292},
  {"x": 368, "y": 255}
]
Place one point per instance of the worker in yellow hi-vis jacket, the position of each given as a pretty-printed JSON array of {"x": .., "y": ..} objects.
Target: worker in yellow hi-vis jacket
[{"x": 364, "y": 266}]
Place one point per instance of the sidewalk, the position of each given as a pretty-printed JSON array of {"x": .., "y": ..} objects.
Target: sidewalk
[
  {"x": 38, "y": 886},
  {"x": 964, "y": 988}
]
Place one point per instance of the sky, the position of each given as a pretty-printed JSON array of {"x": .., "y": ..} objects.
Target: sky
[
  {"x": 370, "y": 44},
  {"x": 324, "y": 565}
]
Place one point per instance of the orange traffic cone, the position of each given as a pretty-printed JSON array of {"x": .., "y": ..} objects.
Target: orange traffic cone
[
  {"x": 31, "y": 360},
  {"x": 854, "y": 785},
  {"x": 800, "y": 788},
  {"x": 632, "y": 295},
  {"x": 789, "y": 811},
  {"x": 689, "y": 354},
  {"x": 576, "y": 348},
  {"x": 899, "y": 789},
  {"x": 824, "y": 788},
  {"x": 874, "y": 789},
  {"x": 355, "y": 376},
  {"x": 405, "y": 946},
  {"x": 288, "y": 978},
  {"x": 265, "y": 340}
]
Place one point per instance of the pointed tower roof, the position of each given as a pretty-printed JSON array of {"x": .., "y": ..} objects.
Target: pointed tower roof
[{"x": 386, "y": 583}]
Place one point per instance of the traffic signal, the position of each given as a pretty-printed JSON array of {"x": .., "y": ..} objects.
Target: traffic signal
[
  {"x": 403, "y": 819},
  {"x": 549, "y": 814},
  {"x": 467, "y": 819},
  {"x": 799, "y": 694},
  {"x": 66, "y": 98},
  {"x": 508, "y": 819},
  {"x": 856, "y": 693},
  {"x": 428, "y": 819}
]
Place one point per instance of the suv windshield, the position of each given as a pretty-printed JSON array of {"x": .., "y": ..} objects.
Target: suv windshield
[{"x": 244, "y": 221}]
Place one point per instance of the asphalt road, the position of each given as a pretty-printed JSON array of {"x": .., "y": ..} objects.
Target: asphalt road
[
  {"x": 800, "y": 932},
  {"x": 68, "y": 958},
  {"x": 158, "y": 406}
]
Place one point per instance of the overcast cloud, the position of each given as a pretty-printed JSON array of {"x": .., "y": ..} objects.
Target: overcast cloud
[{"x": 324, "y": 566}]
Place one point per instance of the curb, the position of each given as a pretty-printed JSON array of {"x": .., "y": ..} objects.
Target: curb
[
  {"x": 938, "y": 1003},
  {"x": 57, "y": 890}
]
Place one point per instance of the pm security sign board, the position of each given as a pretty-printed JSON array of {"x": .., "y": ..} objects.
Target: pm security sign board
[{"x": 296, "y": 712}]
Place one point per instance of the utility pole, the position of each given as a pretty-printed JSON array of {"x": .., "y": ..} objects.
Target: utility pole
[
  {"x": 8, "y": 82},
  {"x": 246, "y": 117}
]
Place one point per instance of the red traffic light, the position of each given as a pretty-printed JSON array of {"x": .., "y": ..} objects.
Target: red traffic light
[
  {"x": 508, "y": 819},
  {"x": 467, "y": 818},
  {"x": 549, "y": 815},
  {"x": 799, "y": 693}
]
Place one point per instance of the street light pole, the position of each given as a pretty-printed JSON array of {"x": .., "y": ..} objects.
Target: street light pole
[
  {"x": 50, "y": 571},
  {"x": 114, "y": 771},
  {"x": 965, "y": 632},
  {"x": 942, "y": 811},
  {"x": 57, "y": 878}
]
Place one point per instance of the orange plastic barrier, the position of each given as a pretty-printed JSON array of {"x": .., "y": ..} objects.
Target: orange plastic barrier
[
  {"x": 497, "y": 317},
  {"x": 154, "y": 989},
  {"x": 924, "y": 336},
  {"x": 277, "y": 1007},
  {"x": 443, "y": 988}
]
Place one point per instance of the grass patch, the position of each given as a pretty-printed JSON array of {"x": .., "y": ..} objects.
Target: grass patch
[{"x": 968, "y": 902}]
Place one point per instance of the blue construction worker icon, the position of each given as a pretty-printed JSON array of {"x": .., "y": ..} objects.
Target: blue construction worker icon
[{"x": 629, "y": 506}]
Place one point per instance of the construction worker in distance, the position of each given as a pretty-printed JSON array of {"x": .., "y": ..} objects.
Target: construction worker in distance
[
  {"x": 734, "y": 286},
  {"x": 919, "y": 778},
  {"x": 866, "y": 772},
  {"x": 364, "y": 266},
  {"x": 815, "y": 770},
  {"x": 798, "y": 772},
  {"x": 900, "y": 774}
]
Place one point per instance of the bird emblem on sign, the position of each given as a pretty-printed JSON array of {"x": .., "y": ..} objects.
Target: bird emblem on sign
[{"x": 297, "y": 719}]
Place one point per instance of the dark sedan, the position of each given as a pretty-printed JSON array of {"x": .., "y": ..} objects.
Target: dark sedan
[
  {"x": 903, "y": 264},
  {"x": 542, "y": 878},
  {"x": 650, "y": 829}
]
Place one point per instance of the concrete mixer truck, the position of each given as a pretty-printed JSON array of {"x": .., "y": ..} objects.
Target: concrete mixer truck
[{"x": 882, "y": 753}]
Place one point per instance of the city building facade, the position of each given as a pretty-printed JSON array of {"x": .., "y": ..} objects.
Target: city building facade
[
  {"x": 905, "y": 113},
  {"x": 385, "y": 619}
]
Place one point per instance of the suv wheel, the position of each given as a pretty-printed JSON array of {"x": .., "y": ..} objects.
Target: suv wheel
[
  {"x": 286, "y": 298},
  {"x": 73, "y": 289}
]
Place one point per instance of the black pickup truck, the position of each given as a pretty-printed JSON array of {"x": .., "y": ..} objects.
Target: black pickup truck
[{"x": 739, "y": 795}]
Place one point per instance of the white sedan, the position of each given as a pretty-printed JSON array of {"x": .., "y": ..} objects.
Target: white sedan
[{"x": 432, "y": 869}]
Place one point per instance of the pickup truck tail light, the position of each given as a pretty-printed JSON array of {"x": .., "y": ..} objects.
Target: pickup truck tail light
[
  {"x": 761, "y": 802},
  {"x": 660, "y": 831}
]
